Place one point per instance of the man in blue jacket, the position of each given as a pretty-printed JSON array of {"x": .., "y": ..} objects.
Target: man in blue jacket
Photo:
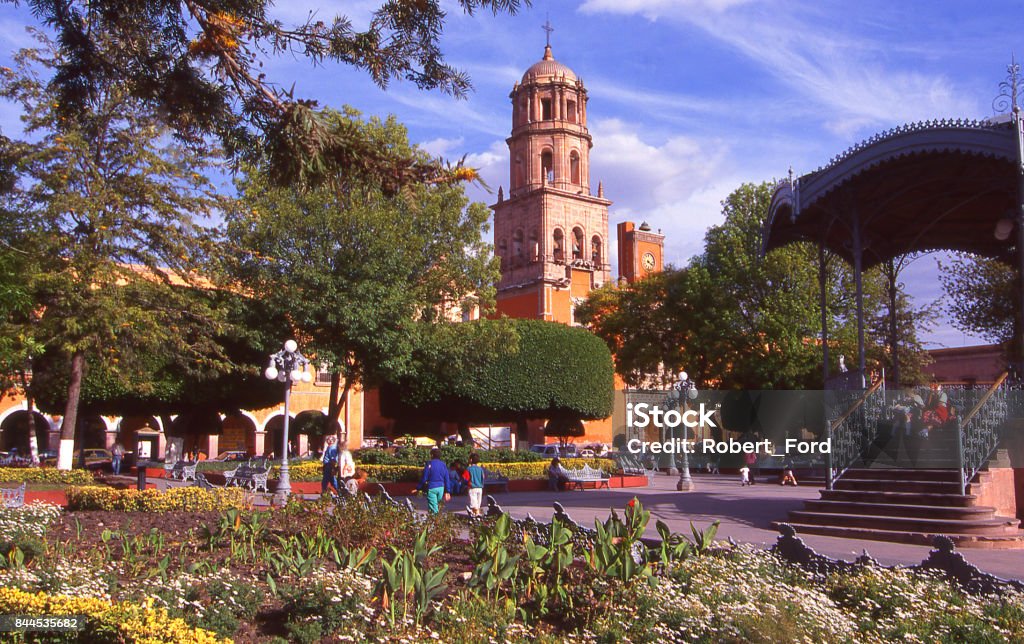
[
  {"x": 330, "y": 461},
  {"x": 435, "y": 482}
]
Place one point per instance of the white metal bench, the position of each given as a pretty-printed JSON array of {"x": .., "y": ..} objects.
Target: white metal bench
[
  {"x": 250, "y": 476},
  {"x": 576, "y": 478},
  {"x": 14, "y": 497}
]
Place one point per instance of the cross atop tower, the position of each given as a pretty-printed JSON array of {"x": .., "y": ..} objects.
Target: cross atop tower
[{"x": 548, "y": 28}]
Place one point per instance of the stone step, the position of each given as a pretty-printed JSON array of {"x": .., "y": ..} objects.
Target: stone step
[
  {"x": 912, "y": 498},
  {"x": 947, "y": 475},
  {"x": 991, "y": 526},
  {"x": 900, "y": 510},
  {"x": 897, "y": 485},
  {"x": 919, "y": 538}
]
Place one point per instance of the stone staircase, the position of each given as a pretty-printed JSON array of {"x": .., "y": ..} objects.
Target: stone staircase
[{"x": 909, "y": 491}]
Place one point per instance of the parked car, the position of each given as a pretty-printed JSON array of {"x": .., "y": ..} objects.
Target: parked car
[
  {"x": 552, "y": 450},
  {"x": 376, "y": 442},
  {"x": 95, "y": 459}
]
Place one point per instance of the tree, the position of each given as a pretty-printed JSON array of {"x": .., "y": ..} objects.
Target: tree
[
  {"x": 553, "y": 371},
  {"x": 365, "y": 277},
  {"x": 735, "y": 320},
  {"x": 161, "y": 385},
  {"x": 905, "y": 357},
  {"x": 200, "y": 63},
  {"x": 108, "y": 205},
  {"x": 982, "y": 296}
]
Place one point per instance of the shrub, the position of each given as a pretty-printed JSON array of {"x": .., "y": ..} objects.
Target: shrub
[
  {"x": 310, "y": 471},
  {"x": 188, "y": 499},
  {"x": 45, "y": 475},
  {"x": 106, "y": 621}
]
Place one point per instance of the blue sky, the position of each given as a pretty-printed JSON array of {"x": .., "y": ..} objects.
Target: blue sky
[{"x": 688, "y": 98}]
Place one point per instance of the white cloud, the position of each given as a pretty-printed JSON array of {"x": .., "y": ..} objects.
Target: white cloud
[
  {"x": 849, "y": 78},
  {"x": 654, "y": 9}
]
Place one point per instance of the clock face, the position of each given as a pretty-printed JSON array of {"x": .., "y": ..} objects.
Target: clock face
[{"x": 647, "y": 261}]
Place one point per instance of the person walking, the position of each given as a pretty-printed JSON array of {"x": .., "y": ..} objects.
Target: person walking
[
  {"x": 347, "y": 469},
  {"x": 330, "y": 462},
  {"x": 435, "y": 482},
  {"x": 117, "y": 456},
  {"x": 476, "y": 485},
  {"x": 751, "y": 461}
]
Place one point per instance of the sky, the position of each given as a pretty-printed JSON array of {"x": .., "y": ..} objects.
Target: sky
[{"x": 688, "y": 98}]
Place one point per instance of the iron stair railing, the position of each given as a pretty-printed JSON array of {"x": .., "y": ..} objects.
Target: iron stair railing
[
  {"x": 851, "y": 434},
  {"x": 979, "y": 430}
]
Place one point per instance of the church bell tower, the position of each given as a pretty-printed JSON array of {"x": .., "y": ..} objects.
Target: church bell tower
[{"x": 551, "y": 232}]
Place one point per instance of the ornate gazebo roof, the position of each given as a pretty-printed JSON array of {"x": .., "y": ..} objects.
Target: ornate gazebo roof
[{"x": 925, "y": 186}]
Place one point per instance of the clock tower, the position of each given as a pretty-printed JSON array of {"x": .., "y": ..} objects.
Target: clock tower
[
  {"x": 551, "y": 233},
  {"x": 641, "y": 251}
]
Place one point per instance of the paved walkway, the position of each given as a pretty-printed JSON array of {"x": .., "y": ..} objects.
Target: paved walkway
[{"x": 745, "y": 513}]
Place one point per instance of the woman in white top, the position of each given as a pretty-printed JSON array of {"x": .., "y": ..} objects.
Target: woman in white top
[{"x": 347, "y": 468}]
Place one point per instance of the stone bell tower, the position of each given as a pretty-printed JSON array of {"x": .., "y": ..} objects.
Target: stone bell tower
[{"x": 551, "y": 233}]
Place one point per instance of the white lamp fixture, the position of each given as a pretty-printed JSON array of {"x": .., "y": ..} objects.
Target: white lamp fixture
[{"x": 287, "y": 366}]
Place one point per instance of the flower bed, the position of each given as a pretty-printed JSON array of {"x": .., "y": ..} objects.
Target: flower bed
[
  {"x": 191, "y": 499},
  {"x": 45, "y": 475},
  {"x": 312, "y": 470},
  {"x": 105, "y": 621},
  {"x": 371, "y": 571}
]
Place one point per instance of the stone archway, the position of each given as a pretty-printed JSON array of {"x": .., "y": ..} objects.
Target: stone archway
[
  {"x": 14, "y": 432},
  {"x": 239, "y": 433},
  {"x": 275, "y": 432}
]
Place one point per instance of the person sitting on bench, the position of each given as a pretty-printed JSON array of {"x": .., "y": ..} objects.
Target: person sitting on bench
[{"x": 556, "y": 475}]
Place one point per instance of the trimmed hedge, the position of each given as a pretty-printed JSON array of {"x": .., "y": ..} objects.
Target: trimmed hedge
[
  {"x": 188, "y": 499},
  {"x": 411, "y": 473},
  {"x": 106, "y": 621},
  {"x": 556, "y": 371},
  {"x": 45, "y": 475}
]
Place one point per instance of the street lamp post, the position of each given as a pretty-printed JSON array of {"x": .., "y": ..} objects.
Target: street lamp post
[
  {"x": 684, "y": 388},
  {"x": 287, "y": 366}
]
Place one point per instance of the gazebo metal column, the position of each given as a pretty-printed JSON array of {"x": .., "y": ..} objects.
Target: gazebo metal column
[
  {"x": 858, "y": 271},
  {"x": 823, "y": 301},
  {"x": 1018, "y": 128}
]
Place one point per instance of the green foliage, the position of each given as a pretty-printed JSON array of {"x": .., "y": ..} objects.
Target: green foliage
[
  {"x": 407, "y": 584},
  {"x": 419, "y": 456},
  {"x": 167, "y": 50},
  {"x": 735, "y": 320},
  {"x": 367, "y": 279},
  {"x": 554, "y": 371},
  {"x": 981, "y": 295},
  {"x": 616, "y": 544}
]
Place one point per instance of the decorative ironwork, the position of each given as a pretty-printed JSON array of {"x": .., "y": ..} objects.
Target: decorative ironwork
[
  {"x": 944, "y": 558},
  {"x": 937, "y": 124},
  {"x": 981, "y": 430},
  {"x": 1009, "y": 90},
  {"x": 852, "y": 417}
]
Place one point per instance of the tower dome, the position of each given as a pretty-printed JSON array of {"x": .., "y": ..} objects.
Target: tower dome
[{"x": 549, "y": 67}]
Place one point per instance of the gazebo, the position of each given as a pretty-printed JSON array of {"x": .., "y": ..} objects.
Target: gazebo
[{"x": 946, "y": 184}]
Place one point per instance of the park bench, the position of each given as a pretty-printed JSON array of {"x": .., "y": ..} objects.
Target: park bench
[
  {"x": 634, "y": 466},
  {"x": 495, "y": 479},
  {"x": 577, "y": 478},
  {"x": 180, "y": 471},
  {"x": 14, "y": 497},
  {"x": 201, "y": 482},
  {"x": 253, "y": 475}
]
